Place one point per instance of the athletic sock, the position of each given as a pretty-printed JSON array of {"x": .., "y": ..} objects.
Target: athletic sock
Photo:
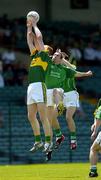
[
  {"x": 73, "y": 136},
  {"x": 58, "y": 133},
  {"x": 47, "y": 139},
  {"x": 93, "y": 169},
  {"x": 38, "y": 138}
]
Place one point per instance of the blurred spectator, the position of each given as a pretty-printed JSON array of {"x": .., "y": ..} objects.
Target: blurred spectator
[
  {"x": 20, "y": 74},
  {"x": 98, "y": 53},
  {"x": 75, "y": 51},
  {"x": 89, "y": 52},
  {"x": 9, "y": 76},
  {"x": 8, "y": 57},
  {"x": 7, "y": 35}
]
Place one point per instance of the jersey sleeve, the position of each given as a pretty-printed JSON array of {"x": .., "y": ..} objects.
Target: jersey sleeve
[
  {"x": 70, "y": 73},
  {"x": 98, "y": 113}
]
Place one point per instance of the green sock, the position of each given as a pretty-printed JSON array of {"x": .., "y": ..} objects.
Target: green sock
[
  {"x": 58, "y": 132},
  {"x": 73, "y": 135},
  {"x": 47, "y": 139},
  {"x": 93, "y": 169},
  {"x": 37, "y": 138}
]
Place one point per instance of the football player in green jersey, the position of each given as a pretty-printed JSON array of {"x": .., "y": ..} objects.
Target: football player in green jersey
[
  {"x": 71, "y": 101},
  {"x": 36, "y": 93},
  {"x": 96, "y": 146},
  {"x": 55, "y": 81},
  {"x": 56, "y": 74},
  {"x": 71, "y": 97}
]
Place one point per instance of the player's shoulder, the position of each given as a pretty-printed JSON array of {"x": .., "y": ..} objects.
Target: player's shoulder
[
  {"x": 45, "y": 56},
  {"x": 99, "y": 108},
  {"x": 69, "y": 69}
]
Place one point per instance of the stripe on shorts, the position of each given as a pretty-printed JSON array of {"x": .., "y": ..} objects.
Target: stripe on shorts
[{"x": 44, "y": 92}]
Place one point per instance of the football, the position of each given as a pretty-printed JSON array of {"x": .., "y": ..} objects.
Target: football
[{"x": 33, "y": 14}]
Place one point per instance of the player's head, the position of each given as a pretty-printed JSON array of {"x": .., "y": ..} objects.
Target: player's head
[
  {"x": 57, "y": 57},
  {"x": 67, "y": 56},
  {"x": 49, "y": 49}
]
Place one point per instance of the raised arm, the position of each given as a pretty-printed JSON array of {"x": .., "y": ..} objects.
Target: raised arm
[
  {"x": 34, "y": 40},
  {"x": 68, "y": 64},
  {"x": 38, "y": 36},
  {"x": 64, "y": 61},
  {"x": 83, "y": 74},
  {"x": 30, "y": 39}
]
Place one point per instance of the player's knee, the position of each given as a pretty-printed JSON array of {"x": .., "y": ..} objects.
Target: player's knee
[
  {"x": 55, "y": 92},
  {"x": 31, "y": 116},
  {"x": 93, "y": 149},
  {"x": 69, "y": 115},
  {"x": 43, "y": 118}
]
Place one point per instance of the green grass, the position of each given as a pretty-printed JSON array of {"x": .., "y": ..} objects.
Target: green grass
[{"x": 69, "y": 171}]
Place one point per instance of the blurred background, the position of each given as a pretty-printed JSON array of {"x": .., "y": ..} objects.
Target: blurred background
[{"x": 67, "y": 24}]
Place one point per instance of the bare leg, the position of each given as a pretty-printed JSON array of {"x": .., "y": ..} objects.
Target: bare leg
[
  {"x": 43, "y": 116},
  {"x": 58, "y": 96},
  {"x": 32, "y": 110},
  {"x": 69, "y": 117},
  {"x": 52, "y": 116},
  {"x": 94, "y": 154},
  {"x": 71, "y": 125},
  {"x": 93, "y": 157}
]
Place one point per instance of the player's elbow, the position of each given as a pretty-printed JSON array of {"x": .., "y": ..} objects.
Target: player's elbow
[{"x": 39, "y": 38}]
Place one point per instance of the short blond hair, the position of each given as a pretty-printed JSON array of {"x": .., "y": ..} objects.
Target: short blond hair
[{"x": 49, "y": 49}]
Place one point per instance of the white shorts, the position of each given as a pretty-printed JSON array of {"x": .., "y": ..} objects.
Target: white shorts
[
  {"x": 98, "y": 139},
  {"x": 50, "y": 97},
  {"x": 36, "y": 93},
  {"x": 71, "y": 99}
]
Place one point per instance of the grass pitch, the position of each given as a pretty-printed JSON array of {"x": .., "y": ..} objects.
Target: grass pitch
[{"x": 69, "y": 171}]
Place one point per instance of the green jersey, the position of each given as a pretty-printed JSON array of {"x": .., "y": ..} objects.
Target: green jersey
[
  {"x": 69, "y": 83},
  {"x": 97, "y": 113},
  {"x": 55, "y": 76},
  {"x": 38, "y": 66}
]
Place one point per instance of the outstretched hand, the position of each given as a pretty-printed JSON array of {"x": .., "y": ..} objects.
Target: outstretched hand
[
  {"x": 29, "y": 22},
  {"x": 89, "y": 73}
]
